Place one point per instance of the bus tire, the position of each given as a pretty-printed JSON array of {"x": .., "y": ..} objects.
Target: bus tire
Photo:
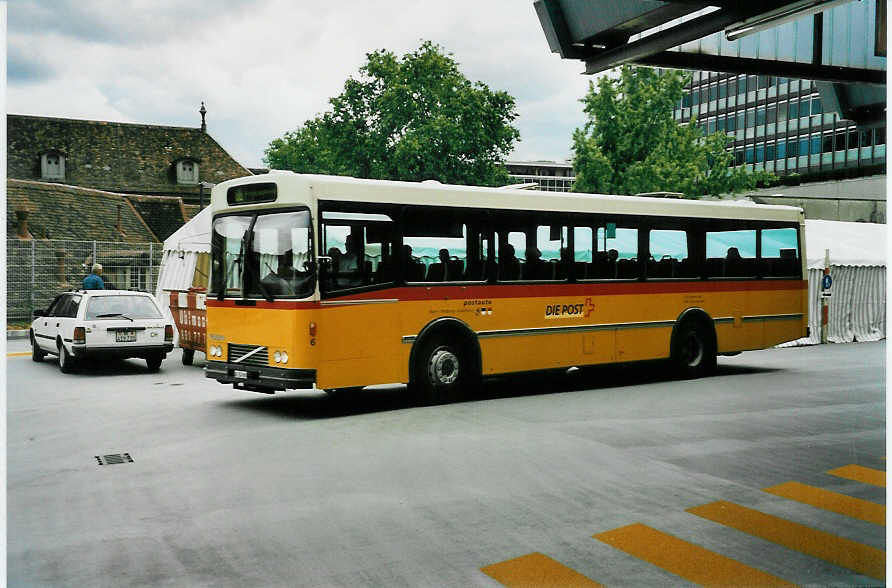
[
  {"x": 443, "y": 371},
  {"x": 694, "y": 350},
  {"x": 37, "y": 354},
  {"x": 188, "y": 356}
]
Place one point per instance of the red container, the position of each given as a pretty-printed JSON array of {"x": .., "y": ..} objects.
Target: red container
[{"x": 190, "y": 315}]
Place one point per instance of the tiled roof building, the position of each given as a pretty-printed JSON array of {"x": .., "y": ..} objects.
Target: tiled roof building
[
  {"x": 50, "y": 211},
  {"x": 117, "y": 157}
]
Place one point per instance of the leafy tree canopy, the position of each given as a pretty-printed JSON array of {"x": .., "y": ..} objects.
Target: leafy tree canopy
[
  {"x": 412, "y": 118},
  {"x": 631, "y": 142}
]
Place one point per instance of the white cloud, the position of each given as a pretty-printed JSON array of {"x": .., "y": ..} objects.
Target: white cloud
[{"x": 263, "y": 68}]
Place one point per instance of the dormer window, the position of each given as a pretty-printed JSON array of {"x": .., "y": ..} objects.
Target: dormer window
[
  {"x": 52, "y": 166},
  {"x": 187, "y": 172}
]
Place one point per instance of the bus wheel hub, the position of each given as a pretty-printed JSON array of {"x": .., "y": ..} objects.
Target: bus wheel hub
[{"x": 443, "y": 367}]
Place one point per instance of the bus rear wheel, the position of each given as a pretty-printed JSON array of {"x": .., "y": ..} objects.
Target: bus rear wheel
[
  {"x": 442, "y": 373},
  {"x": 694, "y": 351}
]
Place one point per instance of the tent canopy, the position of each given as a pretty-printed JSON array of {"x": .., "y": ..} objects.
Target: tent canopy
[
  {"x": 195, "y": 235},
  {"x": 849, "y": 243}
]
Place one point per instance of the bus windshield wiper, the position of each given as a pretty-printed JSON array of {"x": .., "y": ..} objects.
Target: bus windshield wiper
[{"x": 111, "y": 314}]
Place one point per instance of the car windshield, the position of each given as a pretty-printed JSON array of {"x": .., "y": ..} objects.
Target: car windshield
[{"x": 121, "y": 306}]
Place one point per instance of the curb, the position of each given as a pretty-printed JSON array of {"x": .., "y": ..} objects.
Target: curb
[{"x": 17, "y": 334}]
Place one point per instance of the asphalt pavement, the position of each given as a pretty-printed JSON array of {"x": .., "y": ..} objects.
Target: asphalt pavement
[{"x": 773, "y": 470}]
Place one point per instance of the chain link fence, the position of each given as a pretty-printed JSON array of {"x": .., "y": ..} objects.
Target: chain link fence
[{"x": 38, "y": 270}]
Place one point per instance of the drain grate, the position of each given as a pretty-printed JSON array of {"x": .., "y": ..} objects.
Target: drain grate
[{"x": 114, "y": 458}]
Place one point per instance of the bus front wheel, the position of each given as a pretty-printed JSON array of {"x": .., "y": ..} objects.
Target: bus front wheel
[
  {"x": 442, "y": 372},
  {"x": 694, "y": 350}
]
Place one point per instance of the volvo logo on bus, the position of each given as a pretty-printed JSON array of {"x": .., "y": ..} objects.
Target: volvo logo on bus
[{"x": 562, "y": 310}]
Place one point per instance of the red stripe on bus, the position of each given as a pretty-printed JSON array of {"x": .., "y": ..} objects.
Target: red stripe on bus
[{"x": 501, "y": 291}]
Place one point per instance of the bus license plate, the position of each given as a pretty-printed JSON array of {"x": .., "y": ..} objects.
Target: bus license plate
[
  {"x": 240, "y": 374},
  {"x": 125, "y": 336}
]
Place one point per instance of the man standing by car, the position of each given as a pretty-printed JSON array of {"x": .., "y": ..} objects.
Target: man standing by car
[{"x": 94, "y": 280}]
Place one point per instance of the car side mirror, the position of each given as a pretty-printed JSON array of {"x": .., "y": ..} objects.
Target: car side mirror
[{"x": 39, "y": 313}]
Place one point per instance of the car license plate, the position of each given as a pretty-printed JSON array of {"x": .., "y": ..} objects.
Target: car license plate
[
  {"x": 240, "y": 374},
  {"x": 125, "y": 336}
]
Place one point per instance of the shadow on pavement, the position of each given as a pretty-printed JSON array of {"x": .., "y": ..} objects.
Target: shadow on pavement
[
  {"x": 92, "y": 368},
  {"x": 318, "y": 405}
]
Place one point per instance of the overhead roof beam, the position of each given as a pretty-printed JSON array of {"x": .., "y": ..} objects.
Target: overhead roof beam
[
  {"x": 742, "y": 65},
  {"x": 696, "y": 28}
]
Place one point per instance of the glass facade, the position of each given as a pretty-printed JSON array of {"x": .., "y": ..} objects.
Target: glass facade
[{"x": 778, "y": 124}]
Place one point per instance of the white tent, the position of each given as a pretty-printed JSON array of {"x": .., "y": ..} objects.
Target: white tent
[
  {"x": 858, "y": 269},
  {"x": 856, "y": 244},
  {"x": 181, "y": 251}
]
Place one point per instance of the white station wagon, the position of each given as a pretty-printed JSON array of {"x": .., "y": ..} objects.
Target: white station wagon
[{"x": 102, "y": 323}]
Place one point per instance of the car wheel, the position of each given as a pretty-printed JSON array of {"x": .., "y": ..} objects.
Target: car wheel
[
  {"x": 154, "y": 362},
  {"x": 442, "y": 372},
  {"x": 694, "y": 352},
  {"x": 188, "y": 356},
  {"x": 66, "y": 362},
  {"x": 37, "y": 354}
]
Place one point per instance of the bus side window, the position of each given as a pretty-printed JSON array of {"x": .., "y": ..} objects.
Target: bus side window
[
  {"x": 617, "y": 255},
  {"x": 440, "y": 246},
  {"x": 780, "y": 253},
  {"x": 583, "y": 251},
  {"x": 730, "y": 254},
  {"x": 552, "y": 243},
  {"x": 510, "y": 255},
  {"x": 361, "y": 248},
  {"x": 668, "y": 254}
]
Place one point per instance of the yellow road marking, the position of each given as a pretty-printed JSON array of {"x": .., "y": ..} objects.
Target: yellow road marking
[
  {"x": 832, "y": 501},
  {"x": 861, "y": 474},
  {"x": 864, "y": 559},
  {"x": 536, "y": 570},
  {"x": 18, "y": 354},
  {"x": 690, "y": 561}
]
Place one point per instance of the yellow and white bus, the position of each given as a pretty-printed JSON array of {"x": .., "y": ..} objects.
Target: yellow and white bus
[{"x": 338, "y": 283}]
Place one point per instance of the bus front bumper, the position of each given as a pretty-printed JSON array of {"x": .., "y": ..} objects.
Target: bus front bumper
[{"x": 259, "y": 379}]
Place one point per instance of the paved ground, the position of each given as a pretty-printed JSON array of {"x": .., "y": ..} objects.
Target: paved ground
[{"x": 618, "y": 476}]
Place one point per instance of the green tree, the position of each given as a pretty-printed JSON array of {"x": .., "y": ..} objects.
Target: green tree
[
  {"x": 412, "y": 118},
  {"x": 631, "y": 142}
]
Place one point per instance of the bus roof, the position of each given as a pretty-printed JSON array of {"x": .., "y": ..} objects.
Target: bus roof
[{"x": 433, "y": 193}]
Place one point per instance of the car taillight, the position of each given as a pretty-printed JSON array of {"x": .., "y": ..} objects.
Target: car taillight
[
  {"x": 168, "y": 333},
  {"x": 80, "y": 335}
]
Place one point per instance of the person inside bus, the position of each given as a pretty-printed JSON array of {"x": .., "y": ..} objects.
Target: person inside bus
[
  {"x": 509, "y": 265},
  {"x": 439, "y": 272},
  {"x": 413, "y": 269},
  {"x": 280, "y": 280},
  {"x": 350, "y": 260},
  {"x": 733, "y": 262},
  {"x": 535, "y": 268},
  {"x": 332, "y": 268},
  {"x": 566, "y": 262}
]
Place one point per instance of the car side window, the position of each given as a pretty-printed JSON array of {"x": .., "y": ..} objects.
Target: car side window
[
  {"x": 60, "y": 306},
  {"x": 55, "y": 305},
  {"x": 72, "y": 307}
]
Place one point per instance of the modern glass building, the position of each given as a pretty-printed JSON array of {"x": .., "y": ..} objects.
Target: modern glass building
[{"x": 780, "y": 125}]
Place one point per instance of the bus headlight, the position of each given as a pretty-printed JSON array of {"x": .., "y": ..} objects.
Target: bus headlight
[
  {"x": 216, "y": 351},
  {"x": 284, "y": 357},
  {"x": 277, "y": 356}
]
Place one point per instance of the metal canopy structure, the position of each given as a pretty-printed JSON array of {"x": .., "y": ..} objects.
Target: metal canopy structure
[{"x": 784, "y": 38}]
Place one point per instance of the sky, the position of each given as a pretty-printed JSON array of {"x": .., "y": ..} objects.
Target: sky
[{"x": 263, "y": 67}]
